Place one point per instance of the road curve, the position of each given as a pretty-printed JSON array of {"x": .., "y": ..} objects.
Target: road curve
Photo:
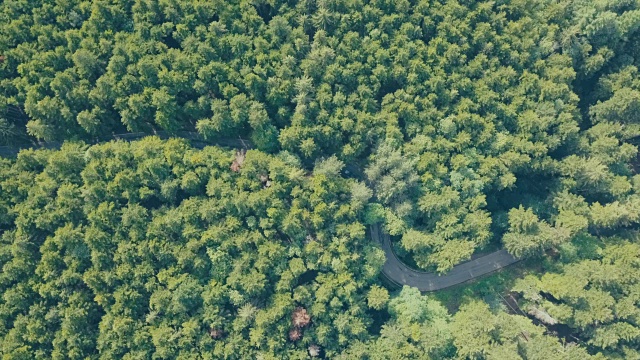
[
  {"x": 394, "y": 269},
  {"x": 400, "y": 274}
]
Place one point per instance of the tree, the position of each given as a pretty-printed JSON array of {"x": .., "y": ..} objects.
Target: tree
[
  {"x": 528, "y": 235},
  {"x": 393, "y": 178},
  {"x": 153, "y": 248},
  {"x": 479, "y": 333},
  {"x": 377, "y": 297},
  {"x": 589, "y": 296}
]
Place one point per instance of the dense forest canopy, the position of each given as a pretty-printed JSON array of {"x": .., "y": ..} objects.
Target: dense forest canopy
[
  {"x": 147, "y": 248},
  {"x": 461, "y": 126}
]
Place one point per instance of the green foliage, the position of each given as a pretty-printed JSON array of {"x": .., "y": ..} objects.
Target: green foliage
[
  {"x": 419, "y": 328},
  {"x": 465, "y": 125},
  {"x": 377, "y": 297},
  {"x": 143, "y": 249},
  {"x": 528, "y": 235},
  {"x": 452, "y": 104},
  {"x": 481, "y": 334},
  {"x": 595, "y": 296}
]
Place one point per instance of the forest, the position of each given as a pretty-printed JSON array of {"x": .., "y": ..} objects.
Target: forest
[{"x": 460, "y": 126}]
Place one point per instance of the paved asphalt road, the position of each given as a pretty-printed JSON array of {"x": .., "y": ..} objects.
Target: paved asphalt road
[
  {"x": 399, "y": 273},
  {"x": 394, "y": 270}
]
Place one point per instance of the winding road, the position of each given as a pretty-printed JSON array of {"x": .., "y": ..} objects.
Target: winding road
[
  {"x": 400, "y": 274},
  {"x": 394, "y": 270}
]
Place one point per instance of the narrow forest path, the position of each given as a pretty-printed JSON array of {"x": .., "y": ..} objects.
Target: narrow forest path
[
  {"x": 394, "y": 269},
  {"x": 196, "y": 139}
]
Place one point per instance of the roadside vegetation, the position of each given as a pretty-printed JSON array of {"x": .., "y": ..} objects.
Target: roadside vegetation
[{"x": 460, "y": 126}]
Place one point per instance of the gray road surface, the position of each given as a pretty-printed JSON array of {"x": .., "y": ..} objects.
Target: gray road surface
[
  {"x": 394, "y": 270},
  {"x": 400, "y": 274}
]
